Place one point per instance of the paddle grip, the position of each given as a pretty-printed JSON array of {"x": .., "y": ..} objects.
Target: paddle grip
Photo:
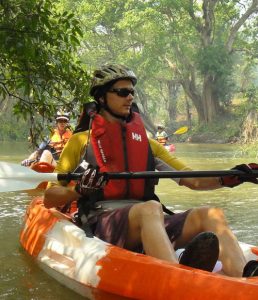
[{"x": 69, "y": 176}]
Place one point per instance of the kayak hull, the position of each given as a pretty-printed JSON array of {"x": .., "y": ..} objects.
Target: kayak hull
[
  {"x": 42, "y": 167},
  {"x": 92, "y": 267}
]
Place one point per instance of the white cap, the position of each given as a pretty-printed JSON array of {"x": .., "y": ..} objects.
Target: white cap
[{"x": 62, "y": 116}]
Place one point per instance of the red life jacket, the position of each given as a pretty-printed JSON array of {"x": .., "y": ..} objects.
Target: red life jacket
[{"x": 119, "y": 148}]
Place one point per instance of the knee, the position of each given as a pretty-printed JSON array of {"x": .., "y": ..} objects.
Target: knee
[
  {"x": 46, "y": 156},
  {"x": 46, "y": 153},
  {"x": 151, "y": 208},
  {"x": 146, "y": 213},
  {"x": 214, "y": 214}
]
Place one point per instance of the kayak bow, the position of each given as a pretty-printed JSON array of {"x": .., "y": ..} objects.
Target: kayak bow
[{"x": 90, "y": 265}]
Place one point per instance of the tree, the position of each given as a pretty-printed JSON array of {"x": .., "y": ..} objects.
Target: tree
[
  {"x": 8, "y": 130},
  {"x": 192, "y": 43},
  {"x": 216, "y": 53},
  {"x": 40, "y": 67},
  {"x": 199, "y": 41}
]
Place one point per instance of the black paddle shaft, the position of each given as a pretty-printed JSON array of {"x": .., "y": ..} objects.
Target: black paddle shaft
[{"x": 164, "y": 174}]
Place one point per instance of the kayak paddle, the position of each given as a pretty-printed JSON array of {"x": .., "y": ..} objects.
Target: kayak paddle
[
  {"x": 14, "y": 177},
  {"x": 181, "y": 130}
]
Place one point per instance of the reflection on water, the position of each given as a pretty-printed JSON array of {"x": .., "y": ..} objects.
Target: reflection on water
[{"x": 22, "y": 279}]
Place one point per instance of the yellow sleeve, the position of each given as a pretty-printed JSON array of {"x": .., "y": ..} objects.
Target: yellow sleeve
[
  {"x": 71, "y": 155},
  {"x": 160, "y": 152}
]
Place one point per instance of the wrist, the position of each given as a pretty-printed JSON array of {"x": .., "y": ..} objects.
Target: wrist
[
  {"x": 82, "y": 191},
  {"x": 229, "y": 181}
]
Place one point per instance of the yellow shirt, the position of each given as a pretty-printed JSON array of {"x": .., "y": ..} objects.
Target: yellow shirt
[{"x": 75, "y": 148}]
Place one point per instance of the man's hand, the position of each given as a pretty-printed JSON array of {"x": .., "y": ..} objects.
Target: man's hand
[
  {"x": 91, "y": 180},
  {"x": 26, "y": 162},
  {"x": 232, "y": 180}
]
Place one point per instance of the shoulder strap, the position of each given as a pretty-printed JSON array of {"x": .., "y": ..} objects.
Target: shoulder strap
[{"x": 84, "y": 120}]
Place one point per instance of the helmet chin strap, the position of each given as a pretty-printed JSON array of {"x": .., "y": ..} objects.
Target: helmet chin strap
[{"x": 106, "y": 107}]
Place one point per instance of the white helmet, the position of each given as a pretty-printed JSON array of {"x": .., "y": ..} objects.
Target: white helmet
[
  {"x": 61, "y": 115},
  {"x": 108, "y": 73},
  {"x": 160, "y": 126}
]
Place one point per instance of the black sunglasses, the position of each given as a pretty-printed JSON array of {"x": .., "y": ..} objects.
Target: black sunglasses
[{"x": 123, "y": 92}]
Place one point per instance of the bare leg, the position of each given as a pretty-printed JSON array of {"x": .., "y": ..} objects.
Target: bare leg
[
  {"x": 213, "y": 219},
  {"x": 47, "y": 157},
  {"x": 146, "y": 224}
]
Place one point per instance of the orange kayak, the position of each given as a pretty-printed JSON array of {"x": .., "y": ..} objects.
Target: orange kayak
[
  {"x": 42, "y": 167},
  {"x": 91, "y": 266}
]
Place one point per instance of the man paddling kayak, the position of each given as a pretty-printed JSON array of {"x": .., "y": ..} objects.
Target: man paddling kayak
[
  {"x": 137, "y": 224},
  {"x": 161, "y": 136},
  {"x": 49, "y": 151}
]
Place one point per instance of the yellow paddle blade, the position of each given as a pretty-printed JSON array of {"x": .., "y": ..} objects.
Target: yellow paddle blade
[{"x": 181, "y": 130}]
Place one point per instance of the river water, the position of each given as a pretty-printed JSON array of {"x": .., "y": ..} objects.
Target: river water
[{"x": 21, "y": 278}]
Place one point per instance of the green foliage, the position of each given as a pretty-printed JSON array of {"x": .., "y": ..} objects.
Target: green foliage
[
  {"x": 251, "y": 94},
  {"x": 40, "y": 67},
  {"x": 217, "y": 62},
  {"x": 248, "y": 103},
  {"x": 224, "y": 130},
  {"x": 12, "y": 128},
  {"x": 166, "y": 40},
  {"x": 248, "y": 150},
  {"x": 214, "y": 60}
]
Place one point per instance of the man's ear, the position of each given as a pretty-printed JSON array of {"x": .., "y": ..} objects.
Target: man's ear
[{"x": 101, "y": 100}]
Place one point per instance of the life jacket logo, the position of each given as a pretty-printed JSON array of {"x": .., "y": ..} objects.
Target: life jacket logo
[
  {"x": 136, "y": 137},
  {"x": 101, "y": 151}
]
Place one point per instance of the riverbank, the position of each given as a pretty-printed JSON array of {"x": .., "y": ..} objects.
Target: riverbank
[
  {"x": 236, "y": 129},
  {"x": 200, "y": 136}
]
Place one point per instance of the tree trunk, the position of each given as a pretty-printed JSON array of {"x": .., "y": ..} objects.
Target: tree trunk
[
  {"x": 173, "y": 89},
  {"x": 191, "y": 91},
  {"x": 199, "y": 108},
  {"x": 250, "y": 129},
  {"x": 188, "y": 113},
  {"x": 209, "y": 100}
]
